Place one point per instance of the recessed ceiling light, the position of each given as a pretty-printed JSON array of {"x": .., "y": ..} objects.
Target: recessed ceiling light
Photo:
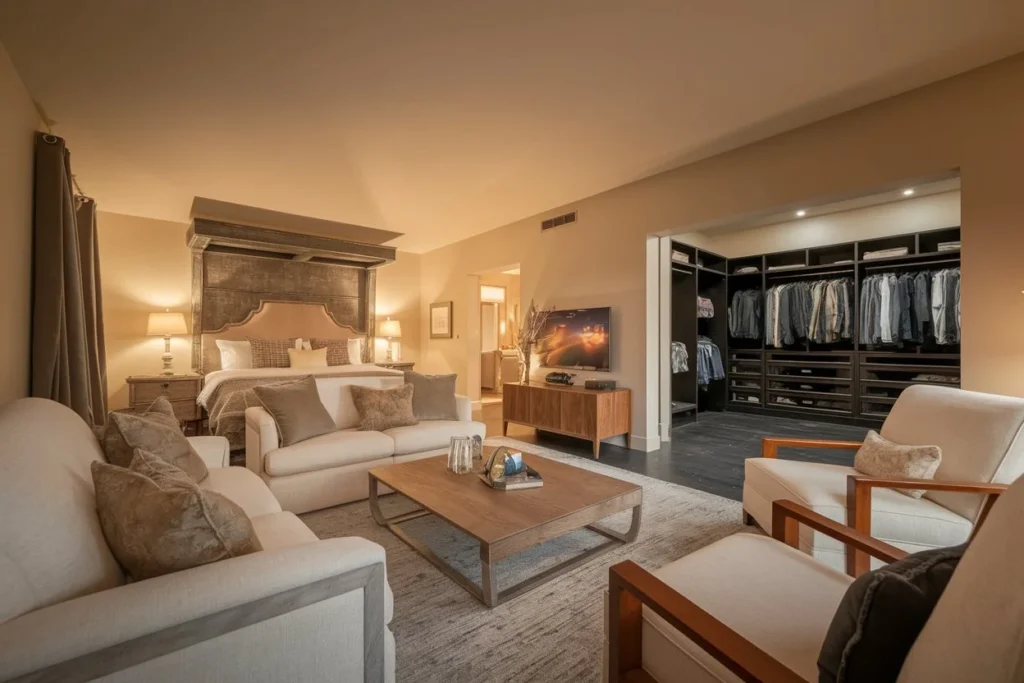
[
  {"x": 801, "y": 213},
  {"x": 907, "y": 192}
]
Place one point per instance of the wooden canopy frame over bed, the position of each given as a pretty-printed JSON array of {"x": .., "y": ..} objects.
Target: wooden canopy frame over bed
[{"x": 248, "y": 281}]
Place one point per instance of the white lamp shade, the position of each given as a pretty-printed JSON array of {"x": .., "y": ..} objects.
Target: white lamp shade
[
  {"x": 166, "y": 324},
  {"x": 391, "y": 329}
]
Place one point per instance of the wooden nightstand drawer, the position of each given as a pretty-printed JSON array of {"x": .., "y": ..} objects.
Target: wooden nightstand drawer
[{"x": 145, "y": 392}]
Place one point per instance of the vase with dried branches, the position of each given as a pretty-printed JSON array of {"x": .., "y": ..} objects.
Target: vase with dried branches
[{"x": 530, "y": 332}]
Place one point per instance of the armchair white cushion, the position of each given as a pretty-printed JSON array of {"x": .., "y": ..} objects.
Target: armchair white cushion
[{"x": 981, "y": 440}]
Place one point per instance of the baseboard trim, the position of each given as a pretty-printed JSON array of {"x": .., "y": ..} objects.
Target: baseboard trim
[{"x": 644, "y": 443}]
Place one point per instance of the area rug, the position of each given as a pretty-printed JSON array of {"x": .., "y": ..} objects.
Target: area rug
[{"x": 553, "y": 633}]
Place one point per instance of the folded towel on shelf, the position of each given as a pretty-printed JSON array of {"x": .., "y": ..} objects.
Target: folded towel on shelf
[
  {"x": 949, "y": 246},
  {"x": 789, "y": 267},
  {"x": 746, "y": 269},
  {"x": 680, "y": 257},
  {"x": 885, "y": 253}
]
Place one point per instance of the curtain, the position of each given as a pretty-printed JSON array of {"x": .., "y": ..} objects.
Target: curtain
[{"x": 68, "y": 356}]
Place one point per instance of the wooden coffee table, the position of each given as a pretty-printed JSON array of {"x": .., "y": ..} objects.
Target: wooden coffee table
[{"x": 508, "y": 522}]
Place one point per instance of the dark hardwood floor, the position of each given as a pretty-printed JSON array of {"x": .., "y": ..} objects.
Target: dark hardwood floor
[{"x": 706, "y": 455}]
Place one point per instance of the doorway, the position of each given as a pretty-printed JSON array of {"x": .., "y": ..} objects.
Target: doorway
[{"x": 499, "y": 315}]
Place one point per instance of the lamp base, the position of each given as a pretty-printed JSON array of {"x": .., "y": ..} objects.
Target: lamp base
[{"x": 167, "y": 358}]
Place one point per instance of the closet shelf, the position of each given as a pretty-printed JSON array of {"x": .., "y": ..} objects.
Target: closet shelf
[
  {"x": 907, "y": 367},
  {"x": 826, "y": 395},
  {"x": 913, "y": 259},
  {"x": 900, "y": 384},
  {"x": 808, "y": 379}
]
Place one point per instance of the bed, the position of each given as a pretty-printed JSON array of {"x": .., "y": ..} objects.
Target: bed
[{"x": 257, "y": 282}]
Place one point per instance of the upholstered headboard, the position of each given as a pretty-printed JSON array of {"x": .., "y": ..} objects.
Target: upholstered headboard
[{"x": 249, "y": 281}]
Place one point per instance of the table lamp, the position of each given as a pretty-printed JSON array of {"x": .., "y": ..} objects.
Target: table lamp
[
  {"x": 391, "y": 329},
  {"x": 164, "y": 325}
]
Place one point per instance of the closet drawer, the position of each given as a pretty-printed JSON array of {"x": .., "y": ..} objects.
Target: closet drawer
[{"x": 823, "y": 405}]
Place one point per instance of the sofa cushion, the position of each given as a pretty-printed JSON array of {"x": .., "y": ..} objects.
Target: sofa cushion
[
  {"x": 52, "y": 547},
  {"x": 381, "y": 409},
  {"x": 156, "y": 431},
  {"x": 772, "y": 595},
  {"x": 432, "y": 434},
  {"x": 296, "y": 409},
  {"x": 166, "y": 523},
  {"x": 330, "y": 450},
  {"x": 879, "y": 457},
  {"x": 242, "y": 487},
  {"x": 433, "y": 396},
  {"x": 912, "y": 524},
  {"x": 281, "y": 530},
  {"x": 881, "y": 616},
  {"x": 336, "y": 395},
  {"x": 214, "y": 450}
]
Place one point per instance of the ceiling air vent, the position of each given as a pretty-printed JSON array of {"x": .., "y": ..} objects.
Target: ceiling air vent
[{"x": 558, "y": 220}]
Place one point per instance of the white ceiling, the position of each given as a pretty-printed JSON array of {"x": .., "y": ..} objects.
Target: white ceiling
[{"x": 447, "y": 118}]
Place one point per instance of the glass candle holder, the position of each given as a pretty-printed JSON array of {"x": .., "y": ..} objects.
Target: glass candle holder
[{"x": 460, "y": 455}]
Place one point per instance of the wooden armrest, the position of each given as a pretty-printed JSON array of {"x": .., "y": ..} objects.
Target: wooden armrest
[
  {"x": 858, "y": 504},
  {"x": 631, "y": 587},
  {"x": 770, "y": 445},
  {"x": 787, "y": 517}
]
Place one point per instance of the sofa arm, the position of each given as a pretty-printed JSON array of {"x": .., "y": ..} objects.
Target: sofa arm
[
  {"x": 260, "y": 437},
  {"x": 464, "y": 408},
  {"x": 102, "y": 633}
]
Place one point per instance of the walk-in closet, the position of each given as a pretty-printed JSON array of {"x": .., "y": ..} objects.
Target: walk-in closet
[{"x": 830, "y": 333}]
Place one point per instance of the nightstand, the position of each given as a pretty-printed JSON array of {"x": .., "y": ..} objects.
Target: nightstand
[
  {"x": 180, "y": 390},
  {"x": 396, "y": 364}
]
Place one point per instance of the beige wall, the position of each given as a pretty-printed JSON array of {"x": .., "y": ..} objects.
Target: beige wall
[
  {"x": 18, "y": 123},
  {"x": 146, "y": 267},
  {"x": 971, "y": 122},
  {"x": 903, "y": 216}
]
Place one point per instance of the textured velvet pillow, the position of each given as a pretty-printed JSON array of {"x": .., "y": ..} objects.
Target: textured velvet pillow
[
  {"x": 880, "y": 457},
  {"x": 433, "y": 396},
  {"x": 381, "y": 409},
  {"x": 340, "y": 351},
  {"x": 155, "y": 431},
  {"x": 297, "y": 410},
  {"x": 881, "y": 616},
  {"x": 270, "y": 353},
  {"x": 164, "y": 523}
]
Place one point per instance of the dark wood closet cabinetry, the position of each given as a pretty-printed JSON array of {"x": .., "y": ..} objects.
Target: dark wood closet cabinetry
[{"x": 847, "y": 380}]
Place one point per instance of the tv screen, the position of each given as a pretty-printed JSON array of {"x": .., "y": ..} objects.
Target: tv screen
[{"x": 577, "y": 339}]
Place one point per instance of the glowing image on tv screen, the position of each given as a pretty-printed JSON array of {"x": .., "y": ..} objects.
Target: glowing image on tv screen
[{"x": 576, "y": 339}]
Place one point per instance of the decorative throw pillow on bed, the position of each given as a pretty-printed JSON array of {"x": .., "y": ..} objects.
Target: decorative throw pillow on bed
[
  {"x": 341, "y": 351},
  {"x": 157, "y": 521},
  {"x": 881, "y": 616},
  {"x": 381, "y": 409},
  {"x": 879, "y": 457},
  {"x": 270, "y": 353},
  {"x": 156, "y": 431},
  {"x": 433, "y": 396},
  {"x": 297, "y": 410},
  {"x": 234, "y": 355},
  {"x": 301, "y": 358}
]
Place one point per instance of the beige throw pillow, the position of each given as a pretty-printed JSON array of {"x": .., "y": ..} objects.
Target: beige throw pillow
[
  {"x": 301, "y": 358},
  {"x": 155, "y": 431},
  {"x": 297, "y": 410},
  {"x": 164, "y": 523},
  {"x": 879, "y": 457},
  {"x": 433, "y": 396},
  {"x": 381, "y": 409}
]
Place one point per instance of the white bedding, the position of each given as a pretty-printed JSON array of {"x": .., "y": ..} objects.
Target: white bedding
[{"x": 216, "y": 378}]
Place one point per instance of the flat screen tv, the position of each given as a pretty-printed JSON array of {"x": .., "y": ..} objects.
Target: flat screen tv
[{"x": 577, "y": 339}]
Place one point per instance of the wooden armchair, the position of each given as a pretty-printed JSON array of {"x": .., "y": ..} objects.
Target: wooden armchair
[
  {"x": 982, "y": 451},
  {"x": 749, "y": 608}
]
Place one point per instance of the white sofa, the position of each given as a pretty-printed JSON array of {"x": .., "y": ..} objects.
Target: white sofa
[
  {"x": 331, "y": 469},
  {"x": 982, "y": 442},
  {"x": 301, "y": 610}
]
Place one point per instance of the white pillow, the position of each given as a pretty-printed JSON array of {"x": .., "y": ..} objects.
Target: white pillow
[
  {"x": 300, "y": 358},
  {"x": 234, "y": 355},
  {"x": 355, "y": 350}
]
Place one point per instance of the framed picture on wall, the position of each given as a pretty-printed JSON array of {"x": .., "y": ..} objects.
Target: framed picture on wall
[{"x": 441, "y": 320}]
